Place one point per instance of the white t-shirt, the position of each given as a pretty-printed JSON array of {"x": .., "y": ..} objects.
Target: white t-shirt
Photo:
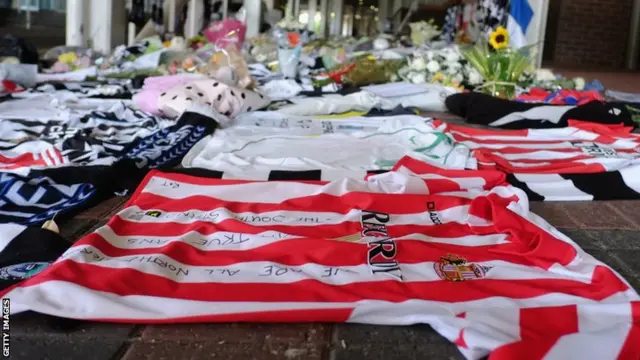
[{"x": 339, "y": 154}]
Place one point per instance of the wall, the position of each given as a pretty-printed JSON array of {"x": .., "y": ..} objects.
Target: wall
[{"x": 592, "y": 33}]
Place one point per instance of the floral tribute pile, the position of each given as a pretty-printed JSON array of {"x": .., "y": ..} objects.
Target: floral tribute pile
[{"x": 446, "y": 66}]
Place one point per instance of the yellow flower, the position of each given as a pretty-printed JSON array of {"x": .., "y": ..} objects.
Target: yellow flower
[
  {"x": 437, "y": 77},
  {"x": 68, "y": 58},
  {"x": 500, "y": 38}
]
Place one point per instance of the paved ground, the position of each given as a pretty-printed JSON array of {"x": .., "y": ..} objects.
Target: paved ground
[
  {"x": 610, "y": 231},
  {"x": 628, "y": 81}
]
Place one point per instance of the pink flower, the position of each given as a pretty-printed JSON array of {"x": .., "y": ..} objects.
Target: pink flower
[
  {"x": 83, "y": 62},
  {"x": 59, "y": 67}
]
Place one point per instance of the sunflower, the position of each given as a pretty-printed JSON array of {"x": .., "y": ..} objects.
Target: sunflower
[{"x": 500, "y": 38}]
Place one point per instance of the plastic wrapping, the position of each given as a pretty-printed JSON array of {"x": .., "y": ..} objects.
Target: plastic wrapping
[
  {"x": 55, "y": 52},
  {"x": 228, "y": 65},
  {"x": 288, "y": 59},
  {"x": 225, "y": 33},
  {"x": 289, "y": 44},
  {"x": 123, "y": 55},
  {"x": 21, "y": 74},
  {"x": 65, "y": 59},
  {"x": 263, "y": 49},
  {"x": 333, "y": 56}
]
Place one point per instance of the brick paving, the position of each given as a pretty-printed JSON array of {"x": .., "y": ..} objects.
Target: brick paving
[{"x": 610, "y": 231}]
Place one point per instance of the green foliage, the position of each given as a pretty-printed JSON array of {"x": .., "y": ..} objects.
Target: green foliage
[{"x": 502, "y": 69}]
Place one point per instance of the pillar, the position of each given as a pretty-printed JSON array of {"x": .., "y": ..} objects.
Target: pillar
[
  {"x": 253, "y": 8},
  {"x": 171, "y": 24},
  {"x": 195, "y": 18},
  {"x": 269, "y": 4},
  {"x": 225, "y": 9},
  {"x": 324, "y": 20},
  {"x": 311, "y": 25},
  {"x": 75, "y": 23},
  {"x": 296, "y": 10},
  {"x": 383, "y": 14},
  {"x": 337, "y": 7},
  {"x": 107, "y": 24},
  {"x": 288, "y": 10},
  {"x": 397, "y": 5},
  {"x": 634, "y": 33}
]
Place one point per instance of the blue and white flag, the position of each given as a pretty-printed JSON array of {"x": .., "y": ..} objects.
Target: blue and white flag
[{"x": 520, "y": 16}]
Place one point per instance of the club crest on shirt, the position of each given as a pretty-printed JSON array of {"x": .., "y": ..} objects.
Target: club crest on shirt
[
  {"x": 22, "y": 271},
  {"x": 454, "y": 268}
]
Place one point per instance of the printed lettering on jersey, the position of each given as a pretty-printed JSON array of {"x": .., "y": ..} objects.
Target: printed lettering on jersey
[
  {"x": 594, "y": 149},
  {"x": 433, "y": 214},
  {"x": 454, "y": 268},
  {"x": 327, "y": 127},
  {"x": 382, "y": 252},
  {"x": 22, "y": 271},
  {"x": 58, "y": 132}
]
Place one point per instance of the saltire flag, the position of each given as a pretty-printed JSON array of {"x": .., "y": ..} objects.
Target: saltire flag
[
  {"x": 519, "y": 21},
  {"x": 455, "y": 249}
]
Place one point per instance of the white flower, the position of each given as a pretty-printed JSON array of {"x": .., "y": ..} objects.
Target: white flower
[
  {"x": 380, "y": 44},
  {"x": 418, "y": 64},
  {"x": 453, "y": 68},
  {"x": 544, "y": 75},
  {"x": 430, "y": 54},
  {"x": 458, "y": 78},
  {"x": 474, "y": 77},
  {"x": 452, "y": 57},
  {"x": 404, "y": 71},
  {"x": 418, "y": 78},
  {"x": 433, "y": 66},
  {"x": 579, "y": 82}
]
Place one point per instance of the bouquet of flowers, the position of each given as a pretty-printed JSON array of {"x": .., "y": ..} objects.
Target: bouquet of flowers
[
  {"x": 446, "y": 66},
  {"x": 423, "y": 32},
  {"x": 289, "y": 36},
  {"x": 503, "y": 69},
  {"x": 360, "y": 71},
  {"x": 123, "y": 54},
  {"x": 70, "y": 61},
  {"x": 545, "y": 79}
]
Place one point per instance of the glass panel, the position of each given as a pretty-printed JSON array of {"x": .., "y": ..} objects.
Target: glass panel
[
  {"x": 59, "y": 5},
  {"x": 31, "y": 5}
]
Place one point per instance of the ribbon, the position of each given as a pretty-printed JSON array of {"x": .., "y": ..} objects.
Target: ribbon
[{"x": 337, "y": 75}]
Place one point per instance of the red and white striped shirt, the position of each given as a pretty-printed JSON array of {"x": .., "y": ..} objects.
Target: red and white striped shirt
[
  {"x": 416, "y": 245},
  {"x": 49, "y": 156},
  {"x": 580, "y": 148}
]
